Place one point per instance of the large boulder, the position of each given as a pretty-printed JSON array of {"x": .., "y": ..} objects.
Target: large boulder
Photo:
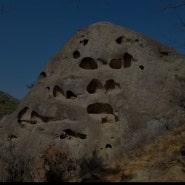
[{"x": 108, "y": 91}]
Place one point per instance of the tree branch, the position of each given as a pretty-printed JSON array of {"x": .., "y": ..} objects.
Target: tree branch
[
  {"x": 181, "y": 20},
  {"x": 177, "y": 6}
]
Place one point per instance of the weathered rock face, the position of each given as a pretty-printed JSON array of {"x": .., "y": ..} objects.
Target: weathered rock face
[{"x": 107, "y": 91}]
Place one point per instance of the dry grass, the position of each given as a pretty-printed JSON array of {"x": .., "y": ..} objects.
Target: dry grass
[
  {"x": 55, "y": 165},
  {"x": 160, "y": 161},
  {"x": 15, "y": 167}
]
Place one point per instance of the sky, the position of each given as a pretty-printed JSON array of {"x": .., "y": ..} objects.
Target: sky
[{"x": 31, "y": 31}]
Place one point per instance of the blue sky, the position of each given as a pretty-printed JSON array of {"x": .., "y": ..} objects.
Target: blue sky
[{"x": 33, "y": 30}]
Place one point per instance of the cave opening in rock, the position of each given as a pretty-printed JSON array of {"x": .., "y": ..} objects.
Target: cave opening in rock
[
  {"x": 70, "y": 94},
  {"x": 57, "y": 91},
  {"x": 63, "y": 136},
  {"x": 116, "y": 63},
  {"x": 93, "y": 86},
  {"x": 164, "y": 53},
  {"x": 88, "y": 63},
  {"x": 108, "y": 146},
  {"x": 119, "y": 40},
  {"x": 42, "y": 75},
  {"x": 127, "y": 58},
  {"x": 73, "y": 134},
  {"x": 110, "y": 84},
  {"x": 141, "y": 67},
  {"x": 21, "y": 113},
  {"x": 76, "y": 54},
  {"x": 98, "y": 108}
]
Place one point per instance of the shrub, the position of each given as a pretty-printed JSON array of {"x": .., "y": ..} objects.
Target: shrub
[
  {"x": 15, "y": 167},
  {"x": 57, "y": 165}
]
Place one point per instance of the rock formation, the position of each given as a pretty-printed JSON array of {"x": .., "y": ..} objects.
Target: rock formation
[{"x": 108, "y": 92}]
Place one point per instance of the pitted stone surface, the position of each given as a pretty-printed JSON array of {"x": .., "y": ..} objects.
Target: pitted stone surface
[{"x": 106, "y": 91}]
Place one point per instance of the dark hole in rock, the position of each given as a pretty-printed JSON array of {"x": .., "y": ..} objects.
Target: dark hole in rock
[
  {"x": 116, "y": 63},
  {"x": 141, "y": 67},
  {"x": 76, "y": 54},
  {"x": 70, "y": 132},
  {"x": 57, "y": 91},
  {"x": 88, "y": 63},
  {"x": 127, "y": 60},
  {"x": 21, "y": 113},
  {"x": 93, "y": 86},
  {"x": 70, "y": 94},
  {"x": 82, "y": 136},
  {"x": 108, "y": 146},
  {"x": 103, "y": 61},
  {"x": 136, "y": 40},
  {"x": 110, "y": 84},
  {"x": 19, "y": 121},
  {"x": 119, "y": 40},
  {"x": 164, "y": 53},
  {"x": 85, "y": 41},
  {"x": 48, "y": 88},
  {"x": 75, "y": 134},
  {"x": 42, "y": 75},
  {"x": 98, "y": 108},
  {"x": 63, "y": 136},
  {"x": 182, "y": 150},
  {"x": 36, "y": 115},
  {"x": 104, "y": 120},
  {"x": 10, "y": 137},
  {"x": 116, "y": 118}
]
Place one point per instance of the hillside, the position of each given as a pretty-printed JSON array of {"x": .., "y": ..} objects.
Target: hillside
[
  {"x": 7, "y": 104},
  {"x": 108, "y": 106}
]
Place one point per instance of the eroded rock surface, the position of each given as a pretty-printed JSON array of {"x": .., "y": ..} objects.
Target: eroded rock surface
[{"x": 107, "y": 92}]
